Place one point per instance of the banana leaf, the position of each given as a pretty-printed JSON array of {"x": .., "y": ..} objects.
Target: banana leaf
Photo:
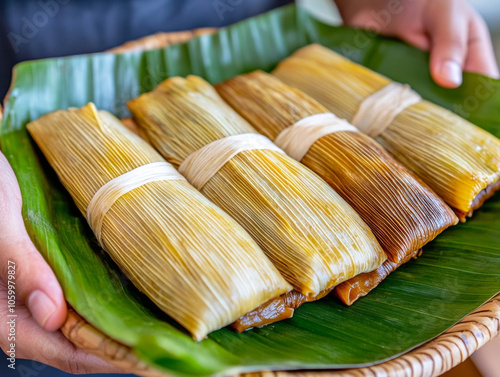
[{"x": 457, "y": 273}]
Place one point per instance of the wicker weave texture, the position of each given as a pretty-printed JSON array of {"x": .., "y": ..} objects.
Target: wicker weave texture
[{"x": 429, "y": 360}]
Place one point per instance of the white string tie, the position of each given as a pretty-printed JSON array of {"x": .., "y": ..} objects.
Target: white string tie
[
  {"x": 108, "y": 194},
  {"x": 379, "y": 110},
  {"x": 297, "y": 139},
  {"x": 202, "y": 164}
]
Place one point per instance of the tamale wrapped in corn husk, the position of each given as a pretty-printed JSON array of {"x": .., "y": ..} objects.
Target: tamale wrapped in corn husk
[
  {"x": 458, "y": 160},
  {"x": 403, "y": 213},
  {"x": 187, "y": 255},
  {"x": 309, "y": 232}
]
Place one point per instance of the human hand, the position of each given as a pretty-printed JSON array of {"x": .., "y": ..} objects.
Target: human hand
[
  {"x": 457, "y": 37},
  {"x": 40, "y": 305}
]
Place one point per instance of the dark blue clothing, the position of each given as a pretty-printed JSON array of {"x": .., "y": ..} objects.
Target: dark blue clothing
[{"x": 33, "y": 29}]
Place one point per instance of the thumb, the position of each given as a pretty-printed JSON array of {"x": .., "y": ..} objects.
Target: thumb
[{"x": 20, "y": 262}]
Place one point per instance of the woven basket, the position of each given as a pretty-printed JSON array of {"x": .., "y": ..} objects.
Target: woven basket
[{"x": 429, "y": 360}]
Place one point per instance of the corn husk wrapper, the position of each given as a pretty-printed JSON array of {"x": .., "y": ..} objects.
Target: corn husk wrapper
[
  {"x": 190, "y": 258},
  {"x": 311, "y": 234},
  {"x": 458, "y": 160},
  {"x": 403, "y": 212}
]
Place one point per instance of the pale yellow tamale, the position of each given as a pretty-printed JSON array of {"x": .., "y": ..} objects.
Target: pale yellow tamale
[
  {"x": 188, "y": 256},
  {"x": 309, "y": 232},
  {"x": 458, "y": 160}
]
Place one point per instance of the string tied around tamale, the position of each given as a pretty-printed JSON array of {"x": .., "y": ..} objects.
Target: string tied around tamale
[
  {"x": 297, "y": 139},
  {"x": 378, "y": 110},
  {"x": 107, "y": 195},
  {"x": 204, "y": 163}
]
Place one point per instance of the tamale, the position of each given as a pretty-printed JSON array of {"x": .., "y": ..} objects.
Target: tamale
[
  {"x": 403, "y": 212},
  {"x": 458, "y": 160},
  {"x": 187, "y": 255},
  {"x": 309, "y": 232}
]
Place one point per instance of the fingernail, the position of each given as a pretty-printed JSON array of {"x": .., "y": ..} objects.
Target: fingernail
[
  {"x": 452, "y": 71},
  {"x": 40, "y": 306}
]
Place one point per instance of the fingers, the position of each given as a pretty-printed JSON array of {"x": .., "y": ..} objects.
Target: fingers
[
  {"x": 480, "y": 55},
  {"x": 32, "y": 342},
  {"x": 37, "y": 286},
  {"x": 419, "y": 40},
  {"x": 459, "y": 41},
  {"x": 55, "y": 350},
  {"x": 35, "y": 283},
  {"x": 448, "y": 27}
]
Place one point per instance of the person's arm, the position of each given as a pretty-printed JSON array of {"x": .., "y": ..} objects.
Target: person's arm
[
  {"x": 453, "y": 32},
  {"x": 40, "y": 305}
]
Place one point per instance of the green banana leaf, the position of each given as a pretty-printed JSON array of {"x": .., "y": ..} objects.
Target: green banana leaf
[{"x": 458, "y": 272}]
